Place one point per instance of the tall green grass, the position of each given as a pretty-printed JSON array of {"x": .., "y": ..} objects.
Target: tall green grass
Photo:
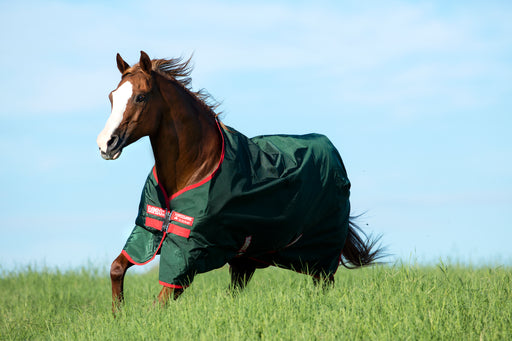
[{"x": 380, "y": 303}]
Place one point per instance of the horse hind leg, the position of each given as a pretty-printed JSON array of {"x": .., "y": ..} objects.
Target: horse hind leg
[
  {"x": 326, "y": 282},
  {"x": 241, "y": 271}
]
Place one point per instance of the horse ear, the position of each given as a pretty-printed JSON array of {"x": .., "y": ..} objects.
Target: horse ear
[
  {"x": 145, "y": 62},
  {"x": 121, "y": 64}
]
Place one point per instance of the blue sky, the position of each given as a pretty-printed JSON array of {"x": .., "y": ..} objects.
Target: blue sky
[{"x": 415, "y": 95}]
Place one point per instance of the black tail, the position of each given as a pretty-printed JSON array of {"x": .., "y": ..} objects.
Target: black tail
[{"x": 359, "y": 252}]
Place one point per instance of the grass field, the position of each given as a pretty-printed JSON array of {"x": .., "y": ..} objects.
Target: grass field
[{"x": 380, "y": 303}]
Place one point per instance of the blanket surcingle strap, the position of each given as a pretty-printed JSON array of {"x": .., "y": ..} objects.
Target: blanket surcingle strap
[{"x": 280, "y": 199}]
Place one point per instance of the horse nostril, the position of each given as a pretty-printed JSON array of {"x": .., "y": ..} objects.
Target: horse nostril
[{"x": 112, "y": 143}]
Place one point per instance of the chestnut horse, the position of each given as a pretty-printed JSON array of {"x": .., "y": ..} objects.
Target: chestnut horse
[{"x": 153, "y": 99}]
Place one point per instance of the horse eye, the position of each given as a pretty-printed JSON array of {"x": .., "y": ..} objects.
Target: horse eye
[{"x": 140, "y": 98}]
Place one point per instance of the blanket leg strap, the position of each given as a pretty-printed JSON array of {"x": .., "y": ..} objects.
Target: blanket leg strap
[{"x": 241, "y": 270}]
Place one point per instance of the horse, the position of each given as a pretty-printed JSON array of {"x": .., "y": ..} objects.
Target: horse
[{"x": 215, "y": 196}]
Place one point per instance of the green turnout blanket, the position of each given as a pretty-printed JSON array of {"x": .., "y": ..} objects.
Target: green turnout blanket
[{"x": 278, "y": 199}]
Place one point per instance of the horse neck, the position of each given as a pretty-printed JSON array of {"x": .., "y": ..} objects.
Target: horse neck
[{"x": 187, "y": 145}]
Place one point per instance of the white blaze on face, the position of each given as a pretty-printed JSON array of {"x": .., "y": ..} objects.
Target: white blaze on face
[{"x": 120, "y": 99}]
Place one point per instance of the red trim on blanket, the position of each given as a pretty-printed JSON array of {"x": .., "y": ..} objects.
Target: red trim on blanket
[
  {"x": 134, "y": 262},
  {"x": 202, "y": 182},
  {"x": 174, "y": 286},
  {"x": 209, "y": 177}
]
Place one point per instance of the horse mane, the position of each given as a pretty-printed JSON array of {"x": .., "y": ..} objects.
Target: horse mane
[{"x": 180, "y": 69}]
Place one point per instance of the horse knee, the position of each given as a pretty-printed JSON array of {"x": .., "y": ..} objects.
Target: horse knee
[
  {"x": 119, "y": 267},
  {"x": 117, "y": 271}
]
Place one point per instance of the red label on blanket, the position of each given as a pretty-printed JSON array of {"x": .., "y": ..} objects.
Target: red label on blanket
[
  {"x": 181, "y": 218},
  {"x": 159, "y": 212}
]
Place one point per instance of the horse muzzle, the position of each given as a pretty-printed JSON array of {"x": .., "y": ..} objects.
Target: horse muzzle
[{"x": 114, "y": 148}]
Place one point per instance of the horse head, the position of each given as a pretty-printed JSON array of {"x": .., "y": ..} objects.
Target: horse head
[{"x": 134, "y": 108}]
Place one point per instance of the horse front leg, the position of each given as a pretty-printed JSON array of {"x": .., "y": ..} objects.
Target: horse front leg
[
  {"x": 117, "y": 272},
  {"x": 166, "y": 293}
]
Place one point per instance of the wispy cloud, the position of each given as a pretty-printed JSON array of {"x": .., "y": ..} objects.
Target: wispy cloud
[{"x": 376, "y": 54}]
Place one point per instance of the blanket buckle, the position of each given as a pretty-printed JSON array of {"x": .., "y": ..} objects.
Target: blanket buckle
[{"x": 167, "y": 221}]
